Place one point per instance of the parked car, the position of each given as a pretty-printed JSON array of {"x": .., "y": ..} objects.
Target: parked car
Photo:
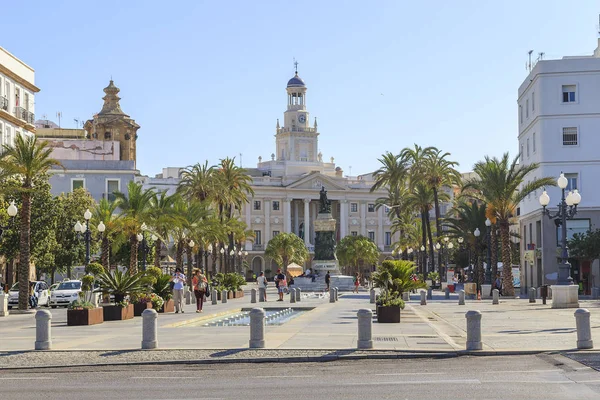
[
  {"x": 66, "y": 292},
  {"x": 53, "y": 287},
  {"x": 41, "y": 292}
]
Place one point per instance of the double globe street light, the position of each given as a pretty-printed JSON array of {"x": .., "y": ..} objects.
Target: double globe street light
[
  {"x": 12, "y": 212},
  {"x": 87, "y": 233},
  {"x": 567, "y": 208},
  {"x": 141, "y": 237}
]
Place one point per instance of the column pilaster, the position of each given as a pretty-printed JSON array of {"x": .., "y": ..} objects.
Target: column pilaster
[
  {"x": 306, "y": 221},
  {"x": 287, "y": 217}
]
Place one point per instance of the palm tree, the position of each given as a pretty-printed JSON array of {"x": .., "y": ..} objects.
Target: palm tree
[
  {"x": 500, "y": 183},
  {"x": 162, "y": 220},
  {"x": 135, "y": 211},
  {"x": 25, "y": 161},
  {"x": 286, "y": 248},
  {"x": 105, "y": 213},
  {"x": 197, "y": 182}
]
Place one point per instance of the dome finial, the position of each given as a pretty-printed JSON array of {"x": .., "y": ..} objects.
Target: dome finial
[{"x": 296, "y": 66}]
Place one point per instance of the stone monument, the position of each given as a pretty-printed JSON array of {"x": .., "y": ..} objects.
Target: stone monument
[{"x": 324, "y": 259}]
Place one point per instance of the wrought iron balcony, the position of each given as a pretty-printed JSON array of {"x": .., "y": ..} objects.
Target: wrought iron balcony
[
  {"x": 4, "y": 103},
  {"x": 25, "y": 115}
]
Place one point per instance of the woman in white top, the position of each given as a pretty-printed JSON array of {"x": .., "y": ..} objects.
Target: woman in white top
[{"x": 262, "y": 284}]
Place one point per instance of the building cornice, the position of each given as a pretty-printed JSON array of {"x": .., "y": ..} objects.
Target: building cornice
[{"x": 26, "y": 84}]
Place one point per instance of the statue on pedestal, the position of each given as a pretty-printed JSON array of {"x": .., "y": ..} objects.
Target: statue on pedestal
[{"x": 325, "y": 203}]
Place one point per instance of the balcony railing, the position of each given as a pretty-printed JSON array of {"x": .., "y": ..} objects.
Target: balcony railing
[
  {"x": 4, "y": 103},
  {"x": 258, "y": 247},
  {"x": 25, "y": 115},
  {"x": 296, "y": 129}
]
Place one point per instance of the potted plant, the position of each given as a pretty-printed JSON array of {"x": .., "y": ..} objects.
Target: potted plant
[
  {"x": 140, "y": 301},
  {"x": 393, "y": 278},
  {"x": 161, "y": 287},
  {"x": 434, "y": 277},
  {"x": 120, "y": 285},
  {"x": 84, "y": 313}
]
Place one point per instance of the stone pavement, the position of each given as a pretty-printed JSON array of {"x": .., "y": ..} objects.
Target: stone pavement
[{"x": 512, "y": 326}]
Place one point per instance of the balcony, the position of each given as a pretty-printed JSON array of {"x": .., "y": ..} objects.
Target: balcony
[
  {"x": 4, "y": 103},
  {"x": 296, "y": 129},
  {"x": 258, "y": 247},
  {"x": 25, "y": 115}
]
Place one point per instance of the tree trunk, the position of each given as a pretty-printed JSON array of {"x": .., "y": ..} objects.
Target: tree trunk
[
  {"x": 430, "y": 242},
  {"x": 189, "y": 265},
  {"x": 105, "y": 258},
  {"x": 24, "y": 252},
  {"x": 157, "y": 249},
  {"x": 479, "y": 275},
  {"x": 494, "y": 252},
  {"x": 423, "y": 243},
  {"x": 179, "y": 255},
  {"x": 133, "y": 257},
  {"x": 507, "y": 277}
]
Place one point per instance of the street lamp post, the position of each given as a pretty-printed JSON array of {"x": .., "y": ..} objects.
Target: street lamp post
[
  {"x": 12, "y": 212},
  {"x": 141, "y": 237},
  {"x": 207, "y": 253},
  {"x": 488, "y": 262},
  {"x": 87, "y": 233},
  {"x": 567, "y": 208},
  {"x": 477, "y": 233},
  {"x": 423, "y": 260}
]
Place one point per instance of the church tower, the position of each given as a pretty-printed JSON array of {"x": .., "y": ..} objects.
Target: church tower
[
  {"x": 112, "y": 124},
  {"x": 296, "y": 140}
]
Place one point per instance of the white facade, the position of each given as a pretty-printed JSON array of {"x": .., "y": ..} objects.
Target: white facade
[
  {"x": 17, "y": 103},
  {"x": 559, "y": 128}
]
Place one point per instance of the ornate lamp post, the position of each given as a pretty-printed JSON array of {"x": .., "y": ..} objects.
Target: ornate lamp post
[
  {"x": 12, "y": 212},
  {"x": 87, "y": 233},
  {"x": 141, "y": 237},
  {"x": 222, "y": 251},
  {"x": 207, "y": 253},
  {"x": 477, "y": 233},
  {"x": 232, "y": 255},
  {"x": 488, "y": 261},
  {"x": 567, "y": 208}
]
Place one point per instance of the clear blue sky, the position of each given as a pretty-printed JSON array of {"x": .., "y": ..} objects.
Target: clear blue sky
[{"x": 206, "y": 79}]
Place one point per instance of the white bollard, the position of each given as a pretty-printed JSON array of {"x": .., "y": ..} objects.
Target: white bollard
[
  {"x": 298, "y": 295},
  {"x": 495, "y": 296},
  {"x": 336, "y": 293},
  {"x": 423, "y": 298},
  {"x": 532, "y": 295},
  {"x": 584, "y": 330},
  {"x": 188, "y": 296},
  {"x": 262, "y": 294},
  {"x": 224, "y": 296},
  {"x": 253, "y": 296},
  {"x": 473, "y": 330},
  {"x": 214, "y": 299},
  {"x": 332, "y": 295},
  {"x": 149, "y": 329},
  {"x": 461, "y": 297},
  {"x": 43, "y": 340},
  {"x": 292, "y": 296},
  {"x": 406, "y": 296},
  {"x": 257, "y": 328},
  {"x": 3, "y": 304},
  {"x": 365, "y": 329},
  {"x": 372, "y": 296}
]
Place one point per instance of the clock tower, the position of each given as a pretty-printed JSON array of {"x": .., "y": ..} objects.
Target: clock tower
[{"x": 296, "y": 140}]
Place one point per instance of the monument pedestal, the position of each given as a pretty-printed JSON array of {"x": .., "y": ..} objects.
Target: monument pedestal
[{"x": 565, "y": 296}]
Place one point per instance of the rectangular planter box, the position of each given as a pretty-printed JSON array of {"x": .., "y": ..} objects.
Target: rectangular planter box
[
  {"x": 118, "y": 313},
  {"x": 390, "y": 314},
  {"x": 230, "y": 295},
  {"x": 138, "y": 308},
  {"x": 85, "y": 317},
  {"x": 239, "y": 294},
  {"x": 168, "y": 307}
]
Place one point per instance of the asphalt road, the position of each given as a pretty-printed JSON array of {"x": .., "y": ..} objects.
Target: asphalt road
[{"x": 518, "y": 377}]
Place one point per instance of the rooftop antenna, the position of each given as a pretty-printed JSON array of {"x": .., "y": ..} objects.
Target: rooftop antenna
[
  {"x": 59, "y": 116},
  {"x": 350, "y": 170},
  {"x": 528, "y": 67},
  {"x": 241, "y": 166},
  {"x": 296, "y": 65},
  {"x": 598, "y": 26},
  {"x": 76, "y": 123},
  {"x": 540, "y": 56}
]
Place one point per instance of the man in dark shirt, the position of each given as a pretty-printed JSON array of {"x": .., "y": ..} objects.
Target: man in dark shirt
[
  {"x": 327, "y": 280},
  {"x": 281, "y": 283}
]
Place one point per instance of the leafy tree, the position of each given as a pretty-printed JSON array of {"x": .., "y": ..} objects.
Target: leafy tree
[
  {"x": 356, "y": 251},
  {"x": 585, "y": 246},
  {"x": 287, "y": 248}
]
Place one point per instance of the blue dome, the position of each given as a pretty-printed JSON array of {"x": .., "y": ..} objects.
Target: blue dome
[{"x": 296, "y": 81}]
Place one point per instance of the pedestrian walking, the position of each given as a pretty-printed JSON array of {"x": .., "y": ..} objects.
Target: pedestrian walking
[
  {"x": 356, "y": 282},
  {"x": 327, "y": 281},
  {"x": 178, "y": 280},
  {"x": 281, "y": 284},
  {"x": 200, "y": 284},
  {"x": 262, "y": 283}
]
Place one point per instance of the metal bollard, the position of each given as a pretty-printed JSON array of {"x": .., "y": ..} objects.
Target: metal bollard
[
  {"x": 214, "y": 299},
  {"x": 149, "y": 329},
  {"x": 336, "y": 293},
  {"x": 461, "y": 297},
  {"x": 584, "y": 330},
  {"x": 188, "y": 296},
  {"x": 292, "y": 295},
  {"x": 447, "y": 293},
  {"x": 532, "y": 294},
  {"x": 473, "y": 330},
  {"x": 372, "y": 296},
  {"x": 298, "y": 295},
  {"x": 544, "y": 293},
  {"x": 253, "y": 296},
  {"x": 406, "y": 296},
  {"x": 365, "y": 329},
  {"x": 423, "y": 298},
  {"x": 3, "y": 304},
  {"x": 43, "y": 340},
  {"x": 257, "y": 328},
  {"x": 332, "y": 295},
  {"x": 429, "y": 293},
  {"x": 224, "y": 296},
  {"x": 495, "y": 296}
]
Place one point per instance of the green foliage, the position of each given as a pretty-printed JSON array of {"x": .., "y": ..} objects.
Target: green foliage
[
  {"x": 395, "y": 277},
  {"x": 94, "y": 268},
  {"x": 230, "y": 281},
  {"x": 87, "y": 282},
  {"x": 434, "y": 276},
  {"x": 387, "y": 299},
  {"x": 585, "y": 246},
  {"x": 120, "y": 284},
  {"x": 156, "y": 300},
  {"x": 287, "y": 248},
  {"x": 80, "y": 305},
  {"x": 162, "y": 287},
  {"x": 355, "y": 251}
]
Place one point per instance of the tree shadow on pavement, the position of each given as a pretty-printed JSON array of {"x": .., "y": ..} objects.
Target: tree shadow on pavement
[
  {"x": 118, "y": 353},
  {"x": 226, "y": 353}
]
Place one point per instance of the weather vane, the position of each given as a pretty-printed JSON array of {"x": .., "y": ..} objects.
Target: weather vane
[{"x": 296, "y": 65}]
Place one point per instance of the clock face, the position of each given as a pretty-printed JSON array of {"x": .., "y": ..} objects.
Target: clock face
[{"x": 302, "y": 118}]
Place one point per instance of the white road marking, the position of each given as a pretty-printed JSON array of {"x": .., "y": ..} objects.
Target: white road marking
[
  {"x": 26, "y": 378},
  {"x": 286, "y": 376},
  {"x": 428, "y": 382},
  {"x": 413, "y": 373}
]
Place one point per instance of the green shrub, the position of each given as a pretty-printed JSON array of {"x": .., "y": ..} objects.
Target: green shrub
[
  {"x": 80, "y": 305},
  {"x": 94, "y": 268},
  {"x": 154, "y": 272},
  {"x": 162, "y": 287},
  {"x": 395, "y": 276},
  {"x": 120, "y": 284}
]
